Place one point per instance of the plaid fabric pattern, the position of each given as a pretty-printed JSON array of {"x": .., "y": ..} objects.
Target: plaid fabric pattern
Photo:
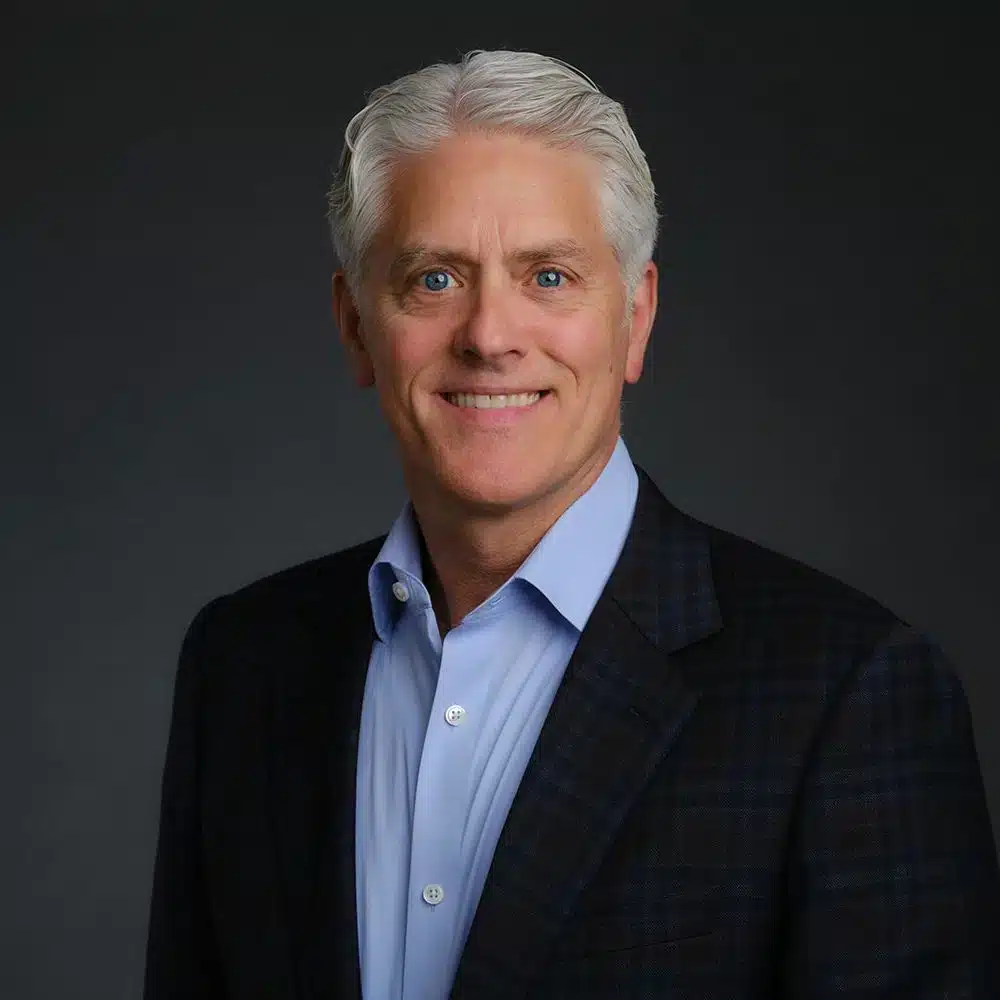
[{"x": 754, "y": 782}]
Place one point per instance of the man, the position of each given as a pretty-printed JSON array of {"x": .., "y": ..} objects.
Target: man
[{"x": 550, "y": 737}]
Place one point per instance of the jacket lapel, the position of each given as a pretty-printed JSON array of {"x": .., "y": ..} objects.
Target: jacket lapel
[{"x": 621, "y": 705}]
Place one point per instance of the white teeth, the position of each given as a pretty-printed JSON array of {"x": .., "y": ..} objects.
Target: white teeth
[{"x": 493, "y": 402}]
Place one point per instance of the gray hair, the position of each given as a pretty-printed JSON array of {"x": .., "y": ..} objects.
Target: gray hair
[{"x": 512, "y": 92}]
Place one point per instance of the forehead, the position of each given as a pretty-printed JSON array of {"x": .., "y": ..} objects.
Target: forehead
[{"x": 478, "y": 191}]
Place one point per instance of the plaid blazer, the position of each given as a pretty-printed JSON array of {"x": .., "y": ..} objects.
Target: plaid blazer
[{"x": 754, "y": 781}]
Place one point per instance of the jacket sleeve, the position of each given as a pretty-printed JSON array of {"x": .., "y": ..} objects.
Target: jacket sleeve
[
  {"x": 181, "y": 957},
  {"x": 894, "y": 889}
]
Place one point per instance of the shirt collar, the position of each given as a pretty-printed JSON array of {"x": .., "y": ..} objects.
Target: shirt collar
[{"x": 569, "y": 566}]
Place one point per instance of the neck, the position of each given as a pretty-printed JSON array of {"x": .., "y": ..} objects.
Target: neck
[{"x": 467, "y": 555}]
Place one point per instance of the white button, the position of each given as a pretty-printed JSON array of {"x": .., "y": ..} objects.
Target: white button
[
  {"x": 454, "y": 715},
  {"x": 433, "y": 894},
  {"x": 400, "y": 591}
]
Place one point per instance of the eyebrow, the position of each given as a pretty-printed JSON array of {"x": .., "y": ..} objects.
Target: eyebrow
[{"x": 423, "y": 253}]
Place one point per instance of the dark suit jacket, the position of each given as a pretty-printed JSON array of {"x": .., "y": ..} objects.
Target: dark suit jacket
[{"x": 754, "y": 782}]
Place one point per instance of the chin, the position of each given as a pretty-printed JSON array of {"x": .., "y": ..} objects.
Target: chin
[{"x": 494, "y": 489}]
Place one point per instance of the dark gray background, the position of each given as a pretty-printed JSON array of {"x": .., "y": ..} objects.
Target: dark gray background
[{"x": 178, "y": 419}]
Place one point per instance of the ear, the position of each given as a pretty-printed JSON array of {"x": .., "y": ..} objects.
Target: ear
[
  {"x": 641, "y": 322},
  {"x": 348, "y": 319}
]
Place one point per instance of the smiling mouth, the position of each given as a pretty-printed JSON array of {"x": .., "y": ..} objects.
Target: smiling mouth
[{"x": 466, "y": 400}]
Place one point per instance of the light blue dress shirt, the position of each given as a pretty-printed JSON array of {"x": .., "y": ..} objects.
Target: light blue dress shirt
[{"x": 447, "y": 728}]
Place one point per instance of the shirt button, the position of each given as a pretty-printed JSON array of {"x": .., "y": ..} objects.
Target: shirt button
[
  {"x": 433, "y": 894},
  {"x": 454, "y": 715},
  {"x": 400, "y": 591}
]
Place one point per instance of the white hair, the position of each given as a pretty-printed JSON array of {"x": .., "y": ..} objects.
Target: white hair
[{"x": 523, "y": 93}]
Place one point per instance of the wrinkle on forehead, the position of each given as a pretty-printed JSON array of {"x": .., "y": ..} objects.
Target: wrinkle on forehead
[{"x": 498, "y": 194}]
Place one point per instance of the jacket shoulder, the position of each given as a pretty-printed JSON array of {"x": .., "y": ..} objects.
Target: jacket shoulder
[
  {"x": 318, "y": 581},
  {"x": 777, "y": 597}
]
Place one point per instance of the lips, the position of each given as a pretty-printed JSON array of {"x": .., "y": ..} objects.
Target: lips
[
  {"x": 494, "y": 401},
  {"x": 495, "y": 413},
  {"x": 491, "y": 392}
]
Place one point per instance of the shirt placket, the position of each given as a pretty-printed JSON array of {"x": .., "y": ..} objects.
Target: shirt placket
[{"x": 436, "y": 885}]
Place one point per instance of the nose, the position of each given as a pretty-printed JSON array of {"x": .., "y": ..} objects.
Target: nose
[{"x": 492, "y": 327}]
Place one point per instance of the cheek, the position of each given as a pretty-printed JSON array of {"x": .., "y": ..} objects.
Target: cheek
[
  {"x": 400, "y": 353},
  {"x": 589, "y": 350},
  {"x": 405, "y": 356}
]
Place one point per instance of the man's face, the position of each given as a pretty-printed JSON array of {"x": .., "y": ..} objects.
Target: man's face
[{"x": 493, "y": 275}]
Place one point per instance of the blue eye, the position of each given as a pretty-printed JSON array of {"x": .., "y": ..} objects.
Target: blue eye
[
  {"x": 432, "y": 280},
  {"x": 437, "y": 280}
]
